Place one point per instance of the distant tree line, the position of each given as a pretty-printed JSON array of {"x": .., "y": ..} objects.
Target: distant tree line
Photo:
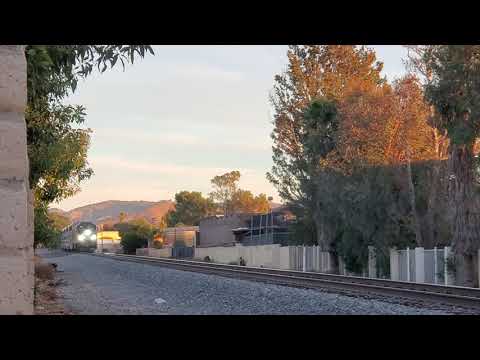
[{"x": 225, "y": 199}]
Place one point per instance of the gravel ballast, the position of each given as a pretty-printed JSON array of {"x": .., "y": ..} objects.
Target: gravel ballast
[{"x": 94, "y": 285}]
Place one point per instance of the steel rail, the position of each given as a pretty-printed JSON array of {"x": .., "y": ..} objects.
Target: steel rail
[{"x": 440, "y": 294}]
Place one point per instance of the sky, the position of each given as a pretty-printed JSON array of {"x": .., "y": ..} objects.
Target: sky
[{"x": 173, "y": 121}]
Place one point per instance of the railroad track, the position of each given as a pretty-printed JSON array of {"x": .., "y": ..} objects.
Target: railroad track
[{"x": 438, "y": 294}]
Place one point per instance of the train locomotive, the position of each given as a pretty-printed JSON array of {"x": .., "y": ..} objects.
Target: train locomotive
[{"x": 81, "y": 236}]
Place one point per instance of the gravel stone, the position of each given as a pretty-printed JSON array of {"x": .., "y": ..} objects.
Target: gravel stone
[{"x": 94, "y": 285}]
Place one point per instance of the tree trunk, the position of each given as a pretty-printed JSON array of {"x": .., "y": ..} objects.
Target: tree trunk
[
  {"x": 411, "y": 196},
  {"x": 466, "y": 219},
  {"x": 325, "y": 241}
]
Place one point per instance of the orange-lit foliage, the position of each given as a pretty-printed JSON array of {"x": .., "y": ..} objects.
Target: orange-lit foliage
[{"x": 384, "y": 127}]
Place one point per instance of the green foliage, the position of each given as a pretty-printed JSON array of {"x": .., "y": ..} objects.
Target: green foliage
[
  {"x": 190, "y": 208},
  {"x": 353, "y": 250},
  {"x": 57, "y": 147},
  {"x": 454, "y": 89},
  {"x": 46, "y": 230},
  {"x": 54, "y": 70},
  {"x": 57, "y": 151},
  {"x": 140, "y": 226},
  {"x": 132, "y": 241},
  {"x": 327, "y": 72}
]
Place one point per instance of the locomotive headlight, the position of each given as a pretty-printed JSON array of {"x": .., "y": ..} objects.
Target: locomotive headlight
[
  {"x": 81, "y": 237},
  {"x": 93, "y": 237},
  {"x": 87, "y": 232}
]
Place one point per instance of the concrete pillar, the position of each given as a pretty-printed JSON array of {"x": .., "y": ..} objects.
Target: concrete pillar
[
  {"x": 372, "y": 262},
  {"x": 419, "y": 265},
  {"x": 16, "y": 200},
  {"x": 394, "y": 265}
]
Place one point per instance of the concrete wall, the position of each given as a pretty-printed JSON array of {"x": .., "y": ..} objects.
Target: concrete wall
[
  {"x": 16, "y": 201},
  {"x": 218, "y": 254},
  {"x": 269, "y": 256},
  {"x": 218, "y": 231},
  {"x": 141, "y": 252},
  {"x": 163, "y": 253}
]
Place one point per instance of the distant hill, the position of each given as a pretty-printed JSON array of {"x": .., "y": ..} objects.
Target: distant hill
[{"x": 109, "y": 211}]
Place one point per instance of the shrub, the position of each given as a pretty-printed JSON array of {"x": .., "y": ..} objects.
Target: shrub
[
  {"x": 157, "y": 245},
  {"x": 132, "y": 241}
]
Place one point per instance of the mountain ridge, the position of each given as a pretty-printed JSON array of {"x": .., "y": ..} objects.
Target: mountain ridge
[{"x": 108, "y": 211}]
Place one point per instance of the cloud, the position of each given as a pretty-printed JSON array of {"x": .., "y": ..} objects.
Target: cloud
[
  {"x": 203, "y": 72},
  {"x": 154, "y": 167},
  {"x": 182, "y": 139},
  {"x": 168, "y": 138}
]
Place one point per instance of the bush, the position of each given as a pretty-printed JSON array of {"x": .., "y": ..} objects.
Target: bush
[
  {"x": 132, "y": 241},
  {"x": 157, "y": 245}
]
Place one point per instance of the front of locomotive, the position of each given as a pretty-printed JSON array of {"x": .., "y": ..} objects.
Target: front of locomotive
[{"x": 86, "y": 234}]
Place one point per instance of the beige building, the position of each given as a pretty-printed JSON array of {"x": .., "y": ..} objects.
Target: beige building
[
  {"x": 108, "y": 241},
  {"x": 185, "y": 234},
  {"x": 217, "y": 230}
]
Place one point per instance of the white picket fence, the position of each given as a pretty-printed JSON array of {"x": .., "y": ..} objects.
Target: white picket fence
[{"x": 421, "y": 266}]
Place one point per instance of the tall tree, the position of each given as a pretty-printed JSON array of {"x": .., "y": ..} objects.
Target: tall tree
[
  {"x": 329, "y": 73},
  {"x": 190, "y": 208},
  {"x": 453, "y": 89},
  {"x": 243, "y": 201},
  {"x": 314, "y": 71},
  {"x": 224, "y": 187}
]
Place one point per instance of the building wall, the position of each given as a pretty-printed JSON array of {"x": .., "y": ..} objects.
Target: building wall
[
  {"x": 185, "y": 234},
  {"x": 218, "y": 231},
  {"x": 16, "y": 200}
]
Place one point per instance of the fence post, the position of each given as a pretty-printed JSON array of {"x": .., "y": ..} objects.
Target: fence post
[
  {"x": 449, "y": 280},
  {"x": 419, "y": 265},
  {"x": 372, "y": 262},
  {"x": 435, "y": 265},
  {"x": 445, "y": 267},
  {"x": 304, "y": 260},
  {"x": 394, "y": 264},
  {"x": 408, "y": 263}
]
